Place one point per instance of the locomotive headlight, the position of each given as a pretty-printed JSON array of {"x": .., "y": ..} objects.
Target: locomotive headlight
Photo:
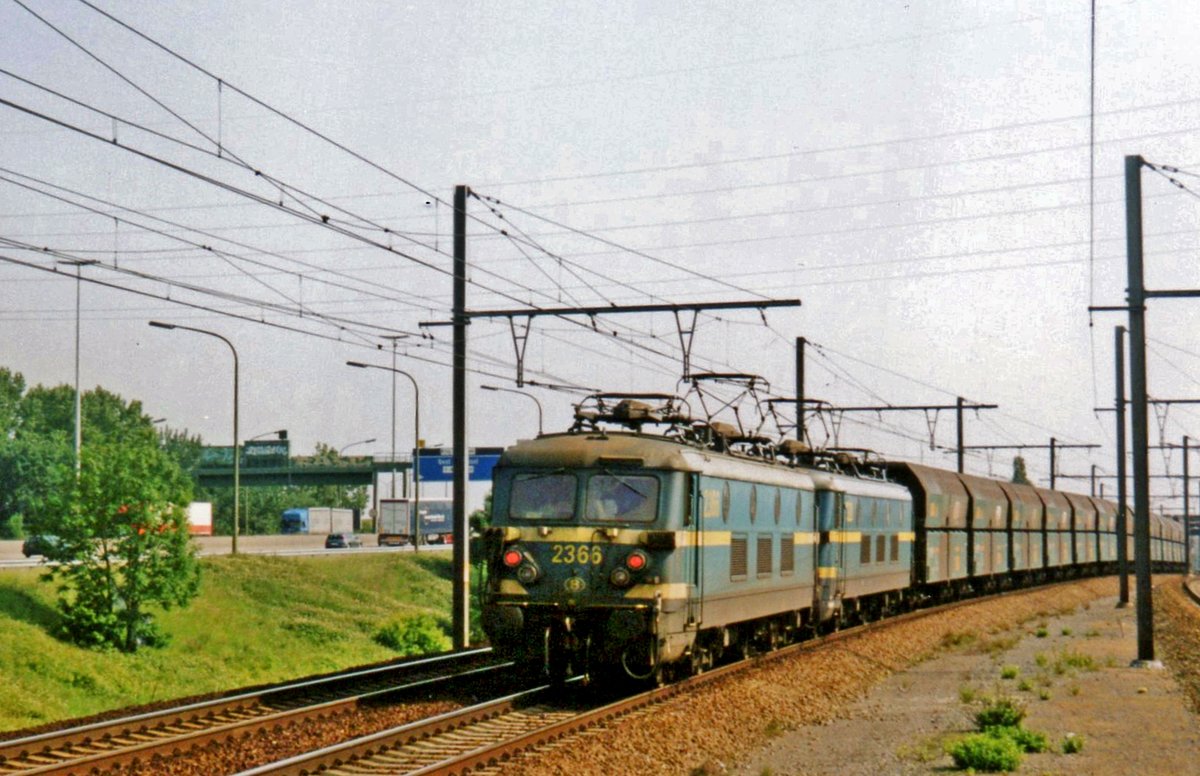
[
  {"x": 512, "y": 557},
  {"x": 527, "y": 574},
  {"x": 620, "y": 577},
  {"x": 637, "y": 560}
]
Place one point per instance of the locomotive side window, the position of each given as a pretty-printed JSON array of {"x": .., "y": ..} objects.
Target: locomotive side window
[
  {"x": 542, "y": 497},
  {"x": 614, "y": 497}
]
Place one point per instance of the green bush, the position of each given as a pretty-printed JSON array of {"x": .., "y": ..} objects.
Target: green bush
[
  {"x": 416, "y": 635},
  {"x": 1026, "y": 740},
  {"x": 1009, "y": 672},
  {"x": 983, "y": 752},
  {"x": 13, "y": 527},
  {"x": 999, "y": 712},
  {"x": 1072, "y": 744}
]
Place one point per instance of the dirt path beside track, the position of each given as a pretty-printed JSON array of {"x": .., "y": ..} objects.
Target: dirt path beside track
[{"x": 1071, "y": 672}]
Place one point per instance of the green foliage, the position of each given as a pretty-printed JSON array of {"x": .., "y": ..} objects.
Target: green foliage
[
  {"x": 123, "y": 546},
  {"x": 983, "y": 752},
  {"x": 1027, "y": 740},
  {"x": 999, "y": 712},
  {"x": 1041, "y": 633},
  {"x": 482, "y": 518},
  {"x": 1020, "y": 477},
  {"x": 967, "y": 693},
  {"x": 12, "y": 527},
  {"x": 1069, "y": 660},
  {"x": 258, "y": 619},
  {"x": 1072, "y": 744},
  {"x": 416, "y": 635},
  {"x": 1009, "y": 672}
]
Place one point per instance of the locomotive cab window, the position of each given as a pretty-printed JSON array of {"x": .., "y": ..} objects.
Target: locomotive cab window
[
  {"x": 616, "y": 497},
  {"x": 542, "y": 497}
]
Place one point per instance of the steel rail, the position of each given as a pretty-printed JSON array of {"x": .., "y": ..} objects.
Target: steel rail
[{"x": 101, "y": 745}]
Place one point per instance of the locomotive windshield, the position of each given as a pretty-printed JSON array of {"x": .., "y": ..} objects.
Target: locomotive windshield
[
  {"x": 548, "y": 496},
  {"x": 613, "y": 497}
]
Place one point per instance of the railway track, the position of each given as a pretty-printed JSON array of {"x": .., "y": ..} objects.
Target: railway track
[
  {"x": 484, "y": 737},
  {"x": 105, "y": 745}
]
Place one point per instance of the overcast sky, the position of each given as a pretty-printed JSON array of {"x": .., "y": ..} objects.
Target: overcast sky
[{"x": 917, "y": 174}]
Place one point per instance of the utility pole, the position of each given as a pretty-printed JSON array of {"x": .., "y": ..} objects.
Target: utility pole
[
  {"x": 461, "y": 619},
  {"x": 1122, "y": 496},
  {"x": 1187, "y": 521},
  {"x": 800, "y": 343}
]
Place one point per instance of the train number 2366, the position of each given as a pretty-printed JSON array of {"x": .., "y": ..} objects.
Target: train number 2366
[{"x": 582, "y": 554}]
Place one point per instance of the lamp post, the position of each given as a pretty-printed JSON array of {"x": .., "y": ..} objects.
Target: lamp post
[
  {"x": 352, "y": 444},
  {"x": 236, "y": 452},
  {"x": 416, "y": 511},
  {"x": 78, "y": 398},
  {"x": 519, "y": 393}
]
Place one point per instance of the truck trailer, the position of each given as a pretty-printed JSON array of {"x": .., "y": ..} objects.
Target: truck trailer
[
  {"x": 317, "y": 520},
  {"x": 395, "y": 524}
]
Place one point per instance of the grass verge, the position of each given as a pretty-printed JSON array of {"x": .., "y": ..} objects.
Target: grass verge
[{"x": 258, "y": 619}]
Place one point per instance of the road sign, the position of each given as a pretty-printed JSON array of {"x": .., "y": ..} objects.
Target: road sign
[{"x": 437, "y": 464}]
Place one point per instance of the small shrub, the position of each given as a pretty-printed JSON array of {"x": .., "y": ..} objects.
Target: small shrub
[
  {"x": 1044, "y": 694},
  {"x": 1009, "y": 672},
  {"x": 966, "y": 693},
  {"x": 1002, "y": 712},
  {"x": 1025, "y": 685},
  {"x": 417, "y": 635},
  {"x": 1066, "y": 631},
  {"x": 1027, "y": 740},
  {"x": 1072, "y": 744},
  {"x": 982, "y": 752},
  {"x": 1042, "y": 659},
  {"x": 1073, "y": 689},
  {"x": 1091, "y": 634},
  {"x": 1041, "y": 633},
  {"x": 1078, "y": 660}
]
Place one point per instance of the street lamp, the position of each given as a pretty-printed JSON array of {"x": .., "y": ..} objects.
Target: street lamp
[
  {"x": 519, "y": 393},
  {"x": 416, "y": 441},
  {"x": 78, "y": 264},
  {"x": 281, "y": 433},
  {"x": 352, "y": 444},
  {"x": 236, "y": 455}
]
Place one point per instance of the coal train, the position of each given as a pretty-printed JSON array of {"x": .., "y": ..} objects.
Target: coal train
[{"x": 641, "y": 543}]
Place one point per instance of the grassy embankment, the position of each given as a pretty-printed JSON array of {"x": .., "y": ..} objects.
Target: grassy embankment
[{"x": 257, "y": 619}]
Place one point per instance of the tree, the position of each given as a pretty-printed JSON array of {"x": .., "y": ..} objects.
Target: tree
[
  {"x": 31, "y": 469},
  {"x": 1019, "y": 476},
  {"x": 122, "y": 544}
]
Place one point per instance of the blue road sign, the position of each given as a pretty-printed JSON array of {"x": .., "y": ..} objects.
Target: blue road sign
[{"x": 437, "y": 465}]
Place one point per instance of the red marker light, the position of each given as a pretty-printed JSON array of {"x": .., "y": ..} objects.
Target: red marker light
[
  {"x": 512, "y": 558},
  {"x": 637, "y": 560}
]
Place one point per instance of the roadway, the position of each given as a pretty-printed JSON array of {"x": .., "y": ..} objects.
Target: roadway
[{"x": 291, "y": 544}]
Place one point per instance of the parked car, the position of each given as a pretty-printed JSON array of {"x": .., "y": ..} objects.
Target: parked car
[
  {"x": 342, "y": 540},
  {"x": 37, "y": 544}
]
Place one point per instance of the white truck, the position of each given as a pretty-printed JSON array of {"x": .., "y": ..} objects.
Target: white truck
[{"x": 317, "y": 520}]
